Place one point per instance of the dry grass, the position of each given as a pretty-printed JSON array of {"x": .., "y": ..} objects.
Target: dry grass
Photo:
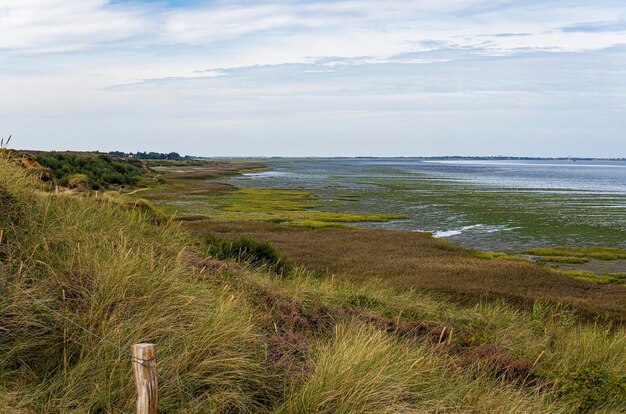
[
  {"x": 366, "y": 371},
  {"x": 118, "y": 275}
]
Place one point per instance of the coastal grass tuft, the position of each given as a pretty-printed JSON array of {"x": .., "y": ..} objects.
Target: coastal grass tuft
[
  {"x": 117, "y": 275},
  {"x": 603, "y": 279},
  {"x": 563, "y": 259}
]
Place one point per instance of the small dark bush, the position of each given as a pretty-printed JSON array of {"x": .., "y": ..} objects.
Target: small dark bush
[
  {"x": 592, "y": 388},
  {"x": 250, "y": 251}
]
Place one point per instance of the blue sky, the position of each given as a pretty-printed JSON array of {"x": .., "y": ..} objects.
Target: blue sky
[{"x": 318, "y": 78}]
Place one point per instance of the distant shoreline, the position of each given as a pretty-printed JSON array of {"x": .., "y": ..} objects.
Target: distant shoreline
[
  {"x": 269, "y": 157},
  {"x": 434, "y": 158}
]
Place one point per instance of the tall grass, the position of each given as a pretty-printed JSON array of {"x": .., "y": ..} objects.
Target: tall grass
[
  {"x": 566, "y": 365},
  {"x": 366, "y": 371},
  {"x": 117, "y": 276}
]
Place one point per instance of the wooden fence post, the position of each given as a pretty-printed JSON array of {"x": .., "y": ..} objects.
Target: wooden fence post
[{"x": 145, "y": 369}]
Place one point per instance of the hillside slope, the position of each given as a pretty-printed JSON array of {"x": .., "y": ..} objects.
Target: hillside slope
[{"x": 86, "y": 278}]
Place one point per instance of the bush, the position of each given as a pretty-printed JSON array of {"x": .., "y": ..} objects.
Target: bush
[
  {"x": 592, "y": 388},
  {"x": 102, "y": 171},
  {"x": 250, "y": 251}
]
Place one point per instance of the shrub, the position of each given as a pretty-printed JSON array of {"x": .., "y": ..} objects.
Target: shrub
[
  {"x": 248, "y": 250},
  {"x": 592, "y": 387},
  {"x": 101, "y": 171}
]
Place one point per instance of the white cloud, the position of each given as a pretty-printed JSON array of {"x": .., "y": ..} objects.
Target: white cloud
[{"x": 32, "y": 26}]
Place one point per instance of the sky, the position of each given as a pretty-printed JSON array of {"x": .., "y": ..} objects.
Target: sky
[{"x": 316, "y": 78}]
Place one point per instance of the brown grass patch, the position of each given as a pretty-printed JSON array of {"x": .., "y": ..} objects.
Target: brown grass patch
[
  {"x": 414, "y": 260},
  {"x": 30, "y": 164},
  {"x": 499, "y": 364},
  {"x": 287, "y": 355},
  {"x": 292, "y": 316}
]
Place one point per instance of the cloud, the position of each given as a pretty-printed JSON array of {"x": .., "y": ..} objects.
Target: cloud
[
  {"x": 281, "y": 71},
  {"x": 34, "y": 26},
  {"x": 49, "y": 26},
  {"x": 596, "y": 27}
]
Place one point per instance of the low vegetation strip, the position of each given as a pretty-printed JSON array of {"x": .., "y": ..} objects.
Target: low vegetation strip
[{"x": 583, "y": 253}]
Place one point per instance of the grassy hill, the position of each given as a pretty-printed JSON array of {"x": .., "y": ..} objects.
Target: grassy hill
[{"x": 244, "y": 330}]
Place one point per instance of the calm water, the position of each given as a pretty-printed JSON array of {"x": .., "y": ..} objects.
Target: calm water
[{"x": 484, "y": 204}]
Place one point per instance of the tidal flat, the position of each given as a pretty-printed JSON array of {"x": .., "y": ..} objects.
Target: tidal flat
[{"x": 487, "y": 205}]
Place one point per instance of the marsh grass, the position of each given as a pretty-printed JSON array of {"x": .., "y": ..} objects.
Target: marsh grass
[
  {"x": 408, "y": 260},
  {"x": 583, "y": 253},
  {"x": 563, "y": 259},
  {"x": 603, "y": 279},
  {"x": 271, "y": 205}
]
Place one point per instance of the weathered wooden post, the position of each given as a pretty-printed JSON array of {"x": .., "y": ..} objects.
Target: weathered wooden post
[{"x": 145, "y": 369}]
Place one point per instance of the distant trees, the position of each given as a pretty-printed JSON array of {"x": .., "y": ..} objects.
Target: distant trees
[
  {"x": 101, "y": 171},
  {"x": 149, "y": 155}
]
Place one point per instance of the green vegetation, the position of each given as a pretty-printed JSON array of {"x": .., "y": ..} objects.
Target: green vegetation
[
  {"x": 563, "y": 259},
  {"x": 249, "y": 251},
  {"x": 99, "y": 171},
  {"x": 590, "y": 387},
  {"x": 239, "y": 338},
  {"x": 486, "y": 255},
  {"x": 187, "y": 194},
  {"x": 271, "y": 205},
  {"x": 554, "y": 254},
  {"x": 174, "y": 156},
  {"x": 603, "y": 279}
]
